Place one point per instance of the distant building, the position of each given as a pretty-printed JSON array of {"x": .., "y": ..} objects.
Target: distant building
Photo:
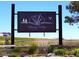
[
  {"x": 5, "y": 34},
  {"x": 1, "y": 34}
]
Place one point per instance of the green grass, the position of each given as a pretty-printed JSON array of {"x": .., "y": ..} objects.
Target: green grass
[
  {"x": 25, "y": 41},
  {"x": 30, "y": 41}
]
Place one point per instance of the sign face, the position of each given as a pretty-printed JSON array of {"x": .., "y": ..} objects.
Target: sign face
[{"x": 36, "y": 21}]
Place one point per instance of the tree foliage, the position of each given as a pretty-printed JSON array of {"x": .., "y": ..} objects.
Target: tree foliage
[{"x": 73, "y": 8}]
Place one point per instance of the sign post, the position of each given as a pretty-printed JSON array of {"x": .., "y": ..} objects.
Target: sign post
[
  {"x": 12, "y": 23},
  {"x": 60, "y": 24}
]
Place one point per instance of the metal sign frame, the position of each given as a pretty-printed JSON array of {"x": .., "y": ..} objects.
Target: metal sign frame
[{"x": 13, "y": 19}]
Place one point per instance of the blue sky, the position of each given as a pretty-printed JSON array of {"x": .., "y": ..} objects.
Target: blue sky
[{"x": 69, "y": 32}]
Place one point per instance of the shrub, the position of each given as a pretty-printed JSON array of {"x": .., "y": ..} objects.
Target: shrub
[
  {"x": 32, "y": 49},
  {"x": 60, "y": 52},
  {"x": 71, "y": 52},
  {"x": 16, "y": 50},
  {"x": 51, "y": 49},
  {"x": 76, "y": 52},
  {"x": 13, "y": 55}
]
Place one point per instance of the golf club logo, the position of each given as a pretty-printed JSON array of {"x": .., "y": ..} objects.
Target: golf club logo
[{"x": 36, "y": 20}]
